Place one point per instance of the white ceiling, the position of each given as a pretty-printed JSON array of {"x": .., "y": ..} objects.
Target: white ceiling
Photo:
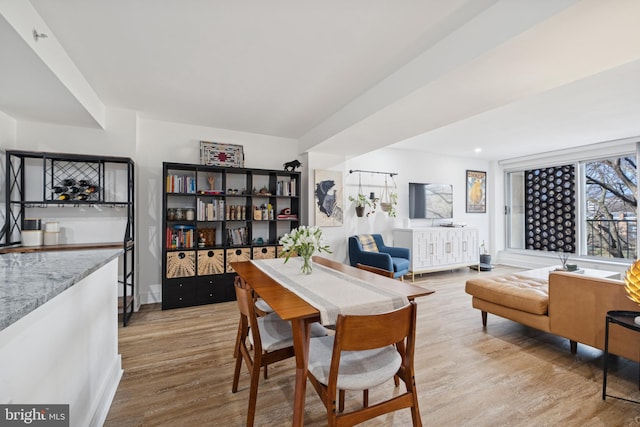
[{"x": 512, "y": 77}]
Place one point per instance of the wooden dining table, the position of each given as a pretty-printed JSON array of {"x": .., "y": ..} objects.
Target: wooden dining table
[{"x": 301, "y": 314}]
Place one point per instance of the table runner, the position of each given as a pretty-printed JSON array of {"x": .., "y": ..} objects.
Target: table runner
[{"x": 330, "y": 291}]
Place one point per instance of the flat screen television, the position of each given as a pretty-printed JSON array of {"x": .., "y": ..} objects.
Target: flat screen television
[{"x": 430, "y": 201}]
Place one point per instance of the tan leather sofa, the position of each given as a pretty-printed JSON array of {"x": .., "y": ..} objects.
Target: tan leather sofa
[{"x": 569, "y": 305}]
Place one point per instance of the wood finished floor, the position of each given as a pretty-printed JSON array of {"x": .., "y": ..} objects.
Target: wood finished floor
[{"x": 178, "y": 367}]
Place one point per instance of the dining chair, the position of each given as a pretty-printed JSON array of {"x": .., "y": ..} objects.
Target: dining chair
[
  {"x": 260, "y": 341},
  {"x": 262, "y": 308},
  {"x": 366, "y": 351},
  {"x": 376, "y": 270},
  {"x": 384, "y": 273}
]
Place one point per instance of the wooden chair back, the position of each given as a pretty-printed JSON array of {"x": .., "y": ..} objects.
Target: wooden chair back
[
  {"x": 376, "y": 270},
  {"x": 357, "y": 333},
  {"x": 248, "y": 316}
]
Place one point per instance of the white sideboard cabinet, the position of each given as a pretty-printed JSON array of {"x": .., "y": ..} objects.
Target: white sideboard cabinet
[{"x": 438, "y": 248}]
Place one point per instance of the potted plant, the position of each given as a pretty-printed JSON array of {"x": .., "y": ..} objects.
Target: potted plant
[
  {"x": 390, "y": 206},
  {"x": 304, "y": 241},
  {"x": 361, "y": 202}
]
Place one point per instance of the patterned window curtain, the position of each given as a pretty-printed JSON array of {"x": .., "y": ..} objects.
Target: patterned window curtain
[{"x": 550, "y": 208}]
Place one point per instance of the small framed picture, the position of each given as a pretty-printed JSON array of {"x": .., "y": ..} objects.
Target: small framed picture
[
  {"x": 476, "y": 191},
  {"x": 218, "y": 154}
]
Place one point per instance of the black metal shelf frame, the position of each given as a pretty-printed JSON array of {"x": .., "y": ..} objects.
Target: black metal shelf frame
[{"x": 55, "y": 168}]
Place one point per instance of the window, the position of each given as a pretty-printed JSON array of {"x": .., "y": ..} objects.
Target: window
[
  {"x": 610, "y": 211},
  {"x": 589, "y": 213}
]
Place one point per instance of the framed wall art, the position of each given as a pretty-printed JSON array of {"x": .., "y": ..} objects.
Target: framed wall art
[
  {"x": 476, "y": 192},
  {"x": 328, "y": 196},
  {"x": 219, "y": 154}
]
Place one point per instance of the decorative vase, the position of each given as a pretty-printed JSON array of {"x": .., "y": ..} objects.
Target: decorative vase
[
  {"x": 307, "y": 264},
  {"x": 632, "y": 285},
  {"x": 360, "y": 211}
]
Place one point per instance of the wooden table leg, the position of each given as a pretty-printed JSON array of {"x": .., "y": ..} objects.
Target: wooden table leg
[{"x": 301, "y": 335}]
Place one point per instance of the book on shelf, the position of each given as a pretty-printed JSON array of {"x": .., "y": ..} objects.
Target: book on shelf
[
  {"x": 181, "y": 237},
  {"x": 181, "y": 184},
  {"x": 286, "y": 188},
  {"x": 212, "y": 210},
  {"x": 238, "y": 236}
]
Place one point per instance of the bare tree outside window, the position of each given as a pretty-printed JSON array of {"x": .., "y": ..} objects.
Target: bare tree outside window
[{"x": 611, "y": 204}]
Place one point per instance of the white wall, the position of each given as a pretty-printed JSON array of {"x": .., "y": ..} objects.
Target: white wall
[
  {"x": 7, "y": 132},
  {"x": 7, "y": 141},
  {"x": 83, "y": 224},
  {"x": 411, "y": 167}
]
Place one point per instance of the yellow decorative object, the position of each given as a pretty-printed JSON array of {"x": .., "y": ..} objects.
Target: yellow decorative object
[{"x": 632, "y": 282}]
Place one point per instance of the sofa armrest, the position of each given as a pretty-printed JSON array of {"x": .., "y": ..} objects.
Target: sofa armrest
[{"x": 577, "y": 310}]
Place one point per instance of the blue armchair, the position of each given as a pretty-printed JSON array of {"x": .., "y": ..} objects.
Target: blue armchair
[{"x": 369, "y": 249}]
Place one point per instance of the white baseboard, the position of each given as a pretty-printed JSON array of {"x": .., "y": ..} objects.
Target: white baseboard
[
  {"x": 153, "y": 296},
  {"x": 109, "y": 388}
]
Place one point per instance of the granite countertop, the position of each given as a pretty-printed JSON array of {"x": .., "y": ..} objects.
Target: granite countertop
[{"x": 28, "y": 280}]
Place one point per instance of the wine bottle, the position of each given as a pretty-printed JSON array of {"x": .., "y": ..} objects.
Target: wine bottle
[
  {"x": 69, "y": 182},
  {"x": 59, "y": 189},
  {"x": 64, "y": 196},
  {"x": 74, "y": 189},
  {"x": 81, "y": 196},
  {"x": 91, "y": 189},
  {"x": 84, "y": 183}
]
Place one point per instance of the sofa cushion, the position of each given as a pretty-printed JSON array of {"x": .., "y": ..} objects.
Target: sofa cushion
[
  {"x": 400, "y": 264},
  {"x": 512, "y": 290},
  {"x": 368, "y": 243}
]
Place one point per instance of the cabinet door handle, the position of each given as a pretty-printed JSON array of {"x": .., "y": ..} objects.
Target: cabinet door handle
[
  {"x": 464, "y": 246},
  {"x": 430, "y": 248},
  {"x": 448, "y": 247}
]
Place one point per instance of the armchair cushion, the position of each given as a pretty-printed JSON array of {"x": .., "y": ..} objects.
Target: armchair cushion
[{"x": 368, "y": 243}]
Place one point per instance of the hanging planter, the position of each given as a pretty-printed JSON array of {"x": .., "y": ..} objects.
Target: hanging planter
[
  {"x": 360, "y": 200},
  {"x": 389, "y": 199}
]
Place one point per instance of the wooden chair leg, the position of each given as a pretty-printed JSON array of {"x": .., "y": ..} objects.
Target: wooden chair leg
[
  {"x": 484, "y": 319},
  {"x": 236, "y": 372},
  {"x": 253, "y": 392},
  {"x": 365, "y": 398}
]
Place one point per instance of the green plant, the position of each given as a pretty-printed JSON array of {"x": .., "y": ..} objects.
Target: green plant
[
  {"x": 360, "y": 200},
  {"x": 304, "y": 241},
  {"x": 393, "y": 201}
]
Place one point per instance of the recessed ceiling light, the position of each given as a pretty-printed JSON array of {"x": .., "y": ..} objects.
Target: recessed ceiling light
[{"x": 477, "y": 150}]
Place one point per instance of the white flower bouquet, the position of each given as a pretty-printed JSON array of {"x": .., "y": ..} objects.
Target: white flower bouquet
[{"x": 303, "y": 241}]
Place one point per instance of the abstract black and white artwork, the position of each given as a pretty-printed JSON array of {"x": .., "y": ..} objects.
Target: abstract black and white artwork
[{"x": 328, "y": 197}]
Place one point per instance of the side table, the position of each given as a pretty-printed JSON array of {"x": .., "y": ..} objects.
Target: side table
[{"x": 626, "y": 320}]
